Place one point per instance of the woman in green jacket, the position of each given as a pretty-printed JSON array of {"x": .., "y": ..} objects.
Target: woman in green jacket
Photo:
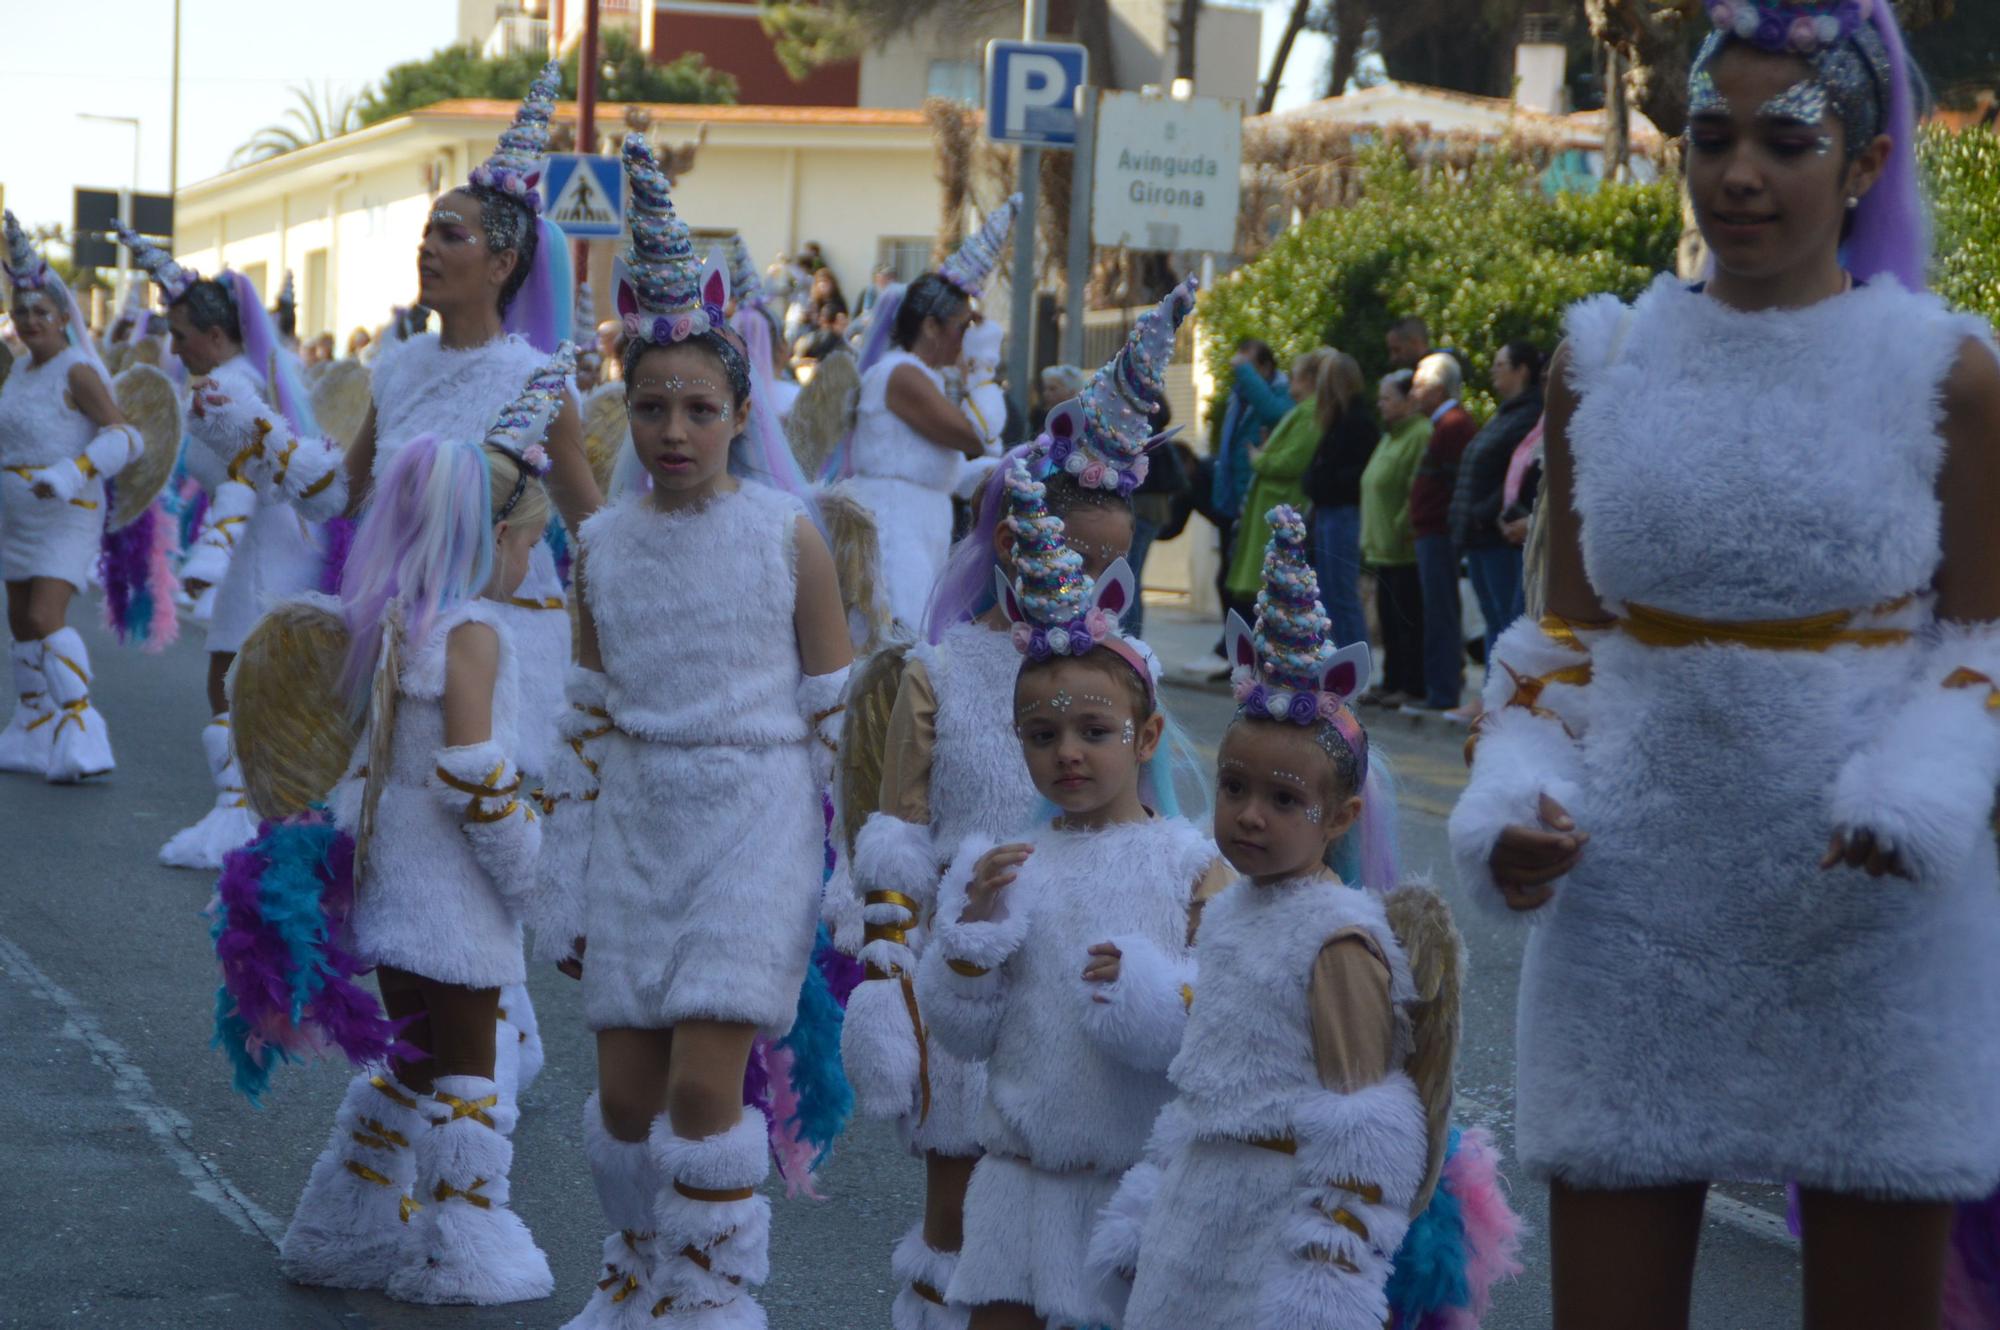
[
  {"x": 1277, "y": 475},
  {"x": 1388, "y": 549}
]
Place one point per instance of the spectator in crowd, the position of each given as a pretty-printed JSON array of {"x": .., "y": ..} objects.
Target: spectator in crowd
[
  {"x": 879, "y": 283},
  {"x": 357, "y": 342},
  {"x": 1347, "y": 437},
  {"x": 1258, "y": 400},
  {"x": 1437, "y": 386},
  {"x": 1492, "y": 562},
  {"x": 1277, "y": 475},
  {"x": 1387, "y": 546},
  {"x": 826, "y": 300},
  {"x": 1152, "y": 510},
  {"x": 1057, "y": 384},
  {"x": 1409, "y": 341}
]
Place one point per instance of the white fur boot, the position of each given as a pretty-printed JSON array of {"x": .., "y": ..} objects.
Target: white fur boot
[
  {"x": 714, "y": 1227},
  {"x": 227, "y": 825},
  {"x": 623, "y": 1172},
  {"x": 520, "y": 1013},
  {"x": 925, "y": 1273},
  {"x": 81, "y": 745},
  {"x": 467, "y": 1245},
  {"x": 348, "y": 1230},
  {"x": 25, "y": 743}
]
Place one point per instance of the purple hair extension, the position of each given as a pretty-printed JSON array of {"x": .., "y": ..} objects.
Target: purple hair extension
[
  {"x": 964, "y": 590},
  {"x": 1891, "y": 231},
  {"x": 339, "y": 544},
  {"x": 544, "y": 308}
]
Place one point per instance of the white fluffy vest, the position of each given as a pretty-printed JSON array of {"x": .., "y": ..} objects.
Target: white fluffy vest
[
  {"x": 425, "y": 388},
  {"x": 420, "y": 709},
  {"x": 979, "y": 780},
  {"x": 38, "y": 424},
  {"x": 885, "y": 445}
]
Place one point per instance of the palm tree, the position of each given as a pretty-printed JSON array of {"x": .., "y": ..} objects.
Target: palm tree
[{"x": 316, "y": 116}]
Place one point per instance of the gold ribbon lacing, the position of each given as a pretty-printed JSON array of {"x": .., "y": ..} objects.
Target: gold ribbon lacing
[
  {"x": 1966, "y": 678},
  {"x": 490, "y": 788},
  {"x": 320, "y": 484},
  {"x": 714, "y": 1195},
  {"x": 445, "y": 1191},
  {"x": 700, "y": 1256},
  {"x": 27, "y": 473},
  {"x": 820, "y": 717},
  {"x": 549, "y": 802},
  {"x": 531, "y": 603},
  {"x": 899, "y": 934},
  {"x": 926, "y": 1292},
  {"x": 469, "y": 1108},
  {"x": 966, "y": 968},
  {"x": 1528, "y": 688},
  {"x": 378, "y": 1136},
  {"x": 383, "y": 1084}
]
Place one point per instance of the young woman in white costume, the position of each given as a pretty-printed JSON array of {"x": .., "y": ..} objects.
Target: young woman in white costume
[{"x": 1741, "y": 778}]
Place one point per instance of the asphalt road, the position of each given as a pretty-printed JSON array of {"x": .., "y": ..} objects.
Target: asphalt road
[{"x": 140, "y": 1191}]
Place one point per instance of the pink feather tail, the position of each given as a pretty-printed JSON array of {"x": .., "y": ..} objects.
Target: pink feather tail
[
  {"x": 1492, "y": 1229},
  {"x": 794, "y": 1156}
]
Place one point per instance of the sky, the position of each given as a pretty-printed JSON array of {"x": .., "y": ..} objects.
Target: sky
[{"x": 238, "y": 58}]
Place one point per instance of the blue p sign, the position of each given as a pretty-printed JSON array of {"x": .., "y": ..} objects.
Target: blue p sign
[{"x": 1031, "y": 90}]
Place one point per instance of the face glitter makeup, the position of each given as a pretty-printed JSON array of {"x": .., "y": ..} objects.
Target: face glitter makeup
[
  {"x": 1314, "y": 814},
  {"x": 1126, "y": 735},
  {"x": 1704, "y": 98},
  {"x": 1062, "y": 701},
  {"x": 1098, "y": 698}
]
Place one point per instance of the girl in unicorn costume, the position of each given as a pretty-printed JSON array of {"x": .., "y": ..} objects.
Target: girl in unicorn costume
[
  {"x": 496, "y": 272},
  {"x": 261, "y": 541},
  {"x": 411, "y": 1193},
  {"x": 947, "y": 766},
  {"x": 1741, "y": 777},
  {"x": 909, "y": 438},
  {"x": 1311, "y": 1122},
  {"x": 685, "y": 847},
  {"x": 61, "y": 438},
  {"x": 1067, "y": 1095}
]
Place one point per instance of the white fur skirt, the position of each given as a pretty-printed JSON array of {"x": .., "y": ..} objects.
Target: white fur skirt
[
  {"x": 1027, "y": 1233},
  {"x": 913, "y": 527},
  {"x": 703, "y": 888},
  {"x": 1205, "y": 1257},
  {"x": 46, "y": 538},
  {"x": 541, "y": 642},
  {"x": 277, "y": 557},
  {"x": 1702, "y": 1000},
  {"x": 958, "y": 1090},
  {"x": 427, "y": 907}
]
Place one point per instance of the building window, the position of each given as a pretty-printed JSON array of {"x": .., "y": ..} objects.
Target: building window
[
  {"x": 956, "y": 80},
  {"x": 316, "y": 313},
  {"x": 256, "y": 274},
  {"x": 909, "y": 257}
]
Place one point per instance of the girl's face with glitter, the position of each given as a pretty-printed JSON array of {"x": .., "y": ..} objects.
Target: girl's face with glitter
[
  {"x": 683, "y": 418},
  {"x": 1083, "y": 740},
  {"x": 40, "y": 324},
  {"x": 1275, "y": 814},
  {"x": 455, "y": 269},
  {"x": 1768, "y": 168}
]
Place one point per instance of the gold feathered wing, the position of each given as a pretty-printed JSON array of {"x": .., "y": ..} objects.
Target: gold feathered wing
[
  {"x": 293, "y": 734},
  {"x": 341, "y": 396},
  {"x": 147, "y": 400},
  {"x": 857, "y": 559},
  {"x": 604, "y": 429},
  {"x": 381, "y": 735},
  {"x": 1422, "y": 923},
  {"x": 864, "y": 739},
  {"x": 824, "y": 412}
]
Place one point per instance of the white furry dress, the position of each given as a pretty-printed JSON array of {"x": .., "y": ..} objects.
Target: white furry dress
[
  {"x": 1071, "y": 1090},
  {"x": 703, "y": 877},
  {"x": 40, "y": 427},
  {"x": 1210, "y": 1245},
  {"x": 906, "y": 482},
  {"x": 424, "y": 387},
  {"x": 427, "y": 906},
  {"x": 1702, "y": 1001}
]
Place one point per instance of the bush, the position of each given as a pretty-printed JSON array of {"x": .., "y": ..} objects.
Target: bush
[
  {"x": 1962, "y": 177},
  {"x": 1484, "y": 257}
]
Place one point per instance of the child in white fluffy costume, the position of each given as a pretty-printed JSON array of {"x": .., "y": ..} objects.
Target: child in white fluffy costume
[
  {"x": 411, "y": 1194},
  {"x": 1312, "y": 1119},
  {"x": 1071, "y": 1083},
  {"x": 713, "y": 658}
]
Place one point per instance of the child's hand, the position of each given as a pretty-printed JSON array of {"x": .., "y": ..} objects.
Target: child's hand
[
  {"x": 994, "y": 870},
  {"x": 1103, "y": 967},
  {"x": 1862, "y": 850},
  {"x": 1526, "y": 861},
  {"x": 572, "y": 964}
]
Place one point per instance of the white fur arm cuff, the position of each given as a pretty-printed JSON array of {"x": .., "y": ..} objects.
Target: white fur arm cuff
[
  {"x": 960, "y": 984},
  {"x": 1925, "y": 788},
  {"x": 823, "y": 703},
  {"x": 481, "y": 786},
  {"x": 1361, "y": 1161},
  {"x": 1140, "y": 1017},
  {"x": 896, "y": 871},
  {"x": 553, "y": 910},
  {"x": 230, "y": 507},
  {"x": 260, "y": 449}
]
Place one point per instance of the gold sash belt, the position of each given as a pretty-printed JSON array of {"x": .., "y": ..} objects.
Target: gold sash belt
[{"x": 1818, "y": 632}]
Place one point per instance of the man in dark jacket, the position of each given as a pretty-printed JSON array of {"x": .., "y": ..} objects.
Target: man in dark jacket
[
  {"x": 1436, "y": 391},
  {"x": 1492, "y": 562}
]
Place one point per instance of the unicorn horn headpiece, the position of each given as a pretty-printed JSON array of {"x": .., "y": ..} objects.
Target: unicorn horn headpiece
[
  {"x": 1287, "y": 668},
  {"x": 27, "y": 270},
  {"x": 1101, "y": 435},
  {"x": 666, "y": 293},
  {"x": 743, "y": 277},
  {"x": 172, "y": 279},
  {"x": 585, "y": 319},
  {"x": 973, "y": 265},
  {"x": 1056, "y": 610},
  {"x": 522, "y": 424},
  {"x": 515, "y": 168}
]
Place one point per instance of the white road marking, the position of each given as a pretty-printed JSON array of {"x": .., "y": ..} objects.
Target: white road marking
[{"x": 169, "y": 1128}]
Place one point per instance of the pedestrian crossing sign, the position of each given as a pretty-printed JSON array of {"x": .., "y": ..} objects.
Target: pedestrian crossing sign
[{"x": 584, "y": 195}]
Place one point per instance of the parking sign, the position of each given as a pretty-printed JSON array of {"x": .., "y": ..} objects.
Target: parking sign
[{"x": 1031, "y": 90}]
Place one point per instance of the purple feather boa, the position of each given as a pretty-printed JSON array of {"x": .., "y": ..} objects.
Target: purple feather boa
[{"x": 339, "y": 543}]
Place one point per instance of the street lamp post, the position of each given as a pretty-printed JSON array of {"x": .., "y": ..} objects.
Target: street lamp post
[{"x": 128, "y": 200}]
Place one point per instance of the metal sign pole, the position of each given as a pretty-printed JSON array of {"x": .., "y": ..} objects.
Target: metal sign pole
[
  {"x": 1083, "y": 163},
  {"x": 1021, "y": 330}
]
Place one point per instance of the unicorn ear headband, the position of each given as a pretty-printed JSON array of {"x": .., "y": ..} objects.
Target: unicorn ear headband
[
  {"x": 173, "y": 280},
  {"x": 1287, "y": 669},
  {"x": 665, "y": 293},
  {"x": 1056, "y": 610},
  {"x": 521, "y": 425},
  {"x": 1102, "y": 435}
]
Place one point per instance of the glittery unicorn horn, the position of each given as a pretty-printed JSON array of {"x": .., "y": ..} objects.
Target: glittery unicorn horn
[
  {"x": 743, "y": 277},
  {"x": 172, "y": 279},
  {"x": 515, "y": 168},
  {"x": 1287, "y": 668},
  {"x": 585, "y": 318},
  {"x": 522, "y": 424},
  {"x": 1053, "y": 606},
  {"x": 972, "y": 267},
  {"x": 27, "y": 270},
  {"x": 1101, "y": 436},
  {"x": 666, "y": 293}
]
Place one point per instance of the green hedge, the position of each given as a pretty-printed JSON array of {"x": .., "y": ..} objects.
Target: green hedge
[
  {"x": 1962, "y": 175},
  {"x": 1484, "y": 259}
]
